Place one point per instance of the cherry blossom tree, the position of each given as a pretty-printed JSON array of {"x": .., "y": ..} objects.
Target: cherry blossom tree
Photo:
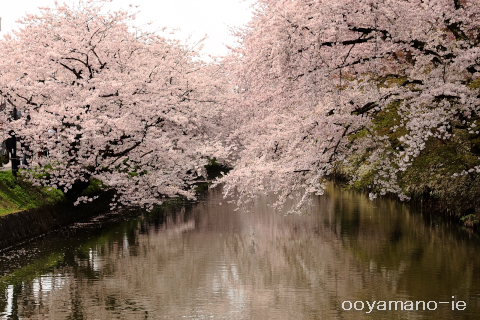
[
  {"x": 109, "y": 102},
  {"x": 316, "y": 78}
]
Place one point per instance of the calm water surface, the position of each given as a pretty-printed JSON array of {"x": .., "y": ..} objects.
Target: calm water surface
[{"x": 208, "y": 261}]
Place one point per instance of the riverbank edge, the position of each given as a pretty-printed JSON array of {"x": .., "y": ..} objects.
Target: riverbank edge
[
  {"x": 435, "y": 207},
  {"x": 18, "y": 227}
]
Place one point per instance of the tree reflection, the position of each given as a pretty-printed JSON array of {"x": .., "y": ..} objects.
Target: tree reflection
[{"x": 211, "y": 261}]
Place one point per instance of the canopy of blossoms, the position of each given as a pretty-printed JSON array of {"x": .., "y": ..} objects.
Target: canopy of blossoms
[
  {"x": 129, "y": 108},
  {"x": 313, "y": 75}
]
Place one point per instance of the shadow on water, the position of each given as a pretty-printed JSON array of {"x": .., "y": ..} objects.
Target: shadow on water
[{"x": 210, "y": 261}]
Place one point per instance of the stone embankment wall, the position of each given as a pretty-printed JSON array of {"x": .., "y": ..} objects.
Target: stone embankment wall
[{"x": 18, "y": 227}]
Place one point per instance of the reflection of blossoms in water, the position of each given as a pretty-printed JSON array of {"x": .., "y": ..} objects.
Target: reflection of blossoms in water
[{"x": 211, "y": 261}]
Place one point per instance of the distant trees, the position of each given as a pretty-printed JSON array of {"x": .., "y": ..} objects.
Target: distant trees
[
  {"x": 357, "y": 87},
  {"x": 130, "y": 108}
]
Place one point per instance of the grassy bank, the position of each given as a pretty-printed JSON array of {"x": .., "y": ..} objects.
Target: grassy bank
[{"x": 20, "y": 195}]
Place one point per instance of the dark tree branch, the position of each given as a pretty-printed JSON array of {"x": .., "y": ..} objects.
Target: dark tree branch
[{"x": 78, "y": 74}]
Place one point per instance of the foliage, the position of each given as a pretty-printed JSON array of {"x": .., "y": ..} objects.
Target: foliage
[
  {"x": 471, "y": 220},
  {"x": 106, "y": 100},
  {"x": 3, "y": 160},
  {"x": 95, "y": 188}
]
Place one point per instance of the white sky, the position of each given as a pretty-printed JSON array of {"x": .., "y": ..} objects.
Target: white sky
[{"x": 193, "y": 17}]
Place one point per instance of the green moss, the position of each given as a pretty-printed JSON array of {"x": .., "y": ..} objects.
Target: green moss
[
  {"x": 386, "y": 120},
  {"x": 360, "y": 134},
  {"x": 431, "y": 173},
  {"x": 474, "y": 84}
]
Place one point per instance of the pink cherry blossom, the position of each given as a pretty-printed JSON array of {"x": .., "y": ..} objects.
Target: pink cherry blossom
[
  {"x": 311, "y": 75},
  {"x": 132, "y": 109}
]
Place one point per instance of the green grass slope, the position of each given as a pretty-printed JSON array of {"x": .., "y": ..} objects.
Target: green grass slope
[{"x": 20, "y": 195}]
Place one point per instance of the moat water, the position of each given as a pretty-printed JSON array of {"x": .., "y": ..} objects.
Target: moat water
[{"x": 210, "y": 261}]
